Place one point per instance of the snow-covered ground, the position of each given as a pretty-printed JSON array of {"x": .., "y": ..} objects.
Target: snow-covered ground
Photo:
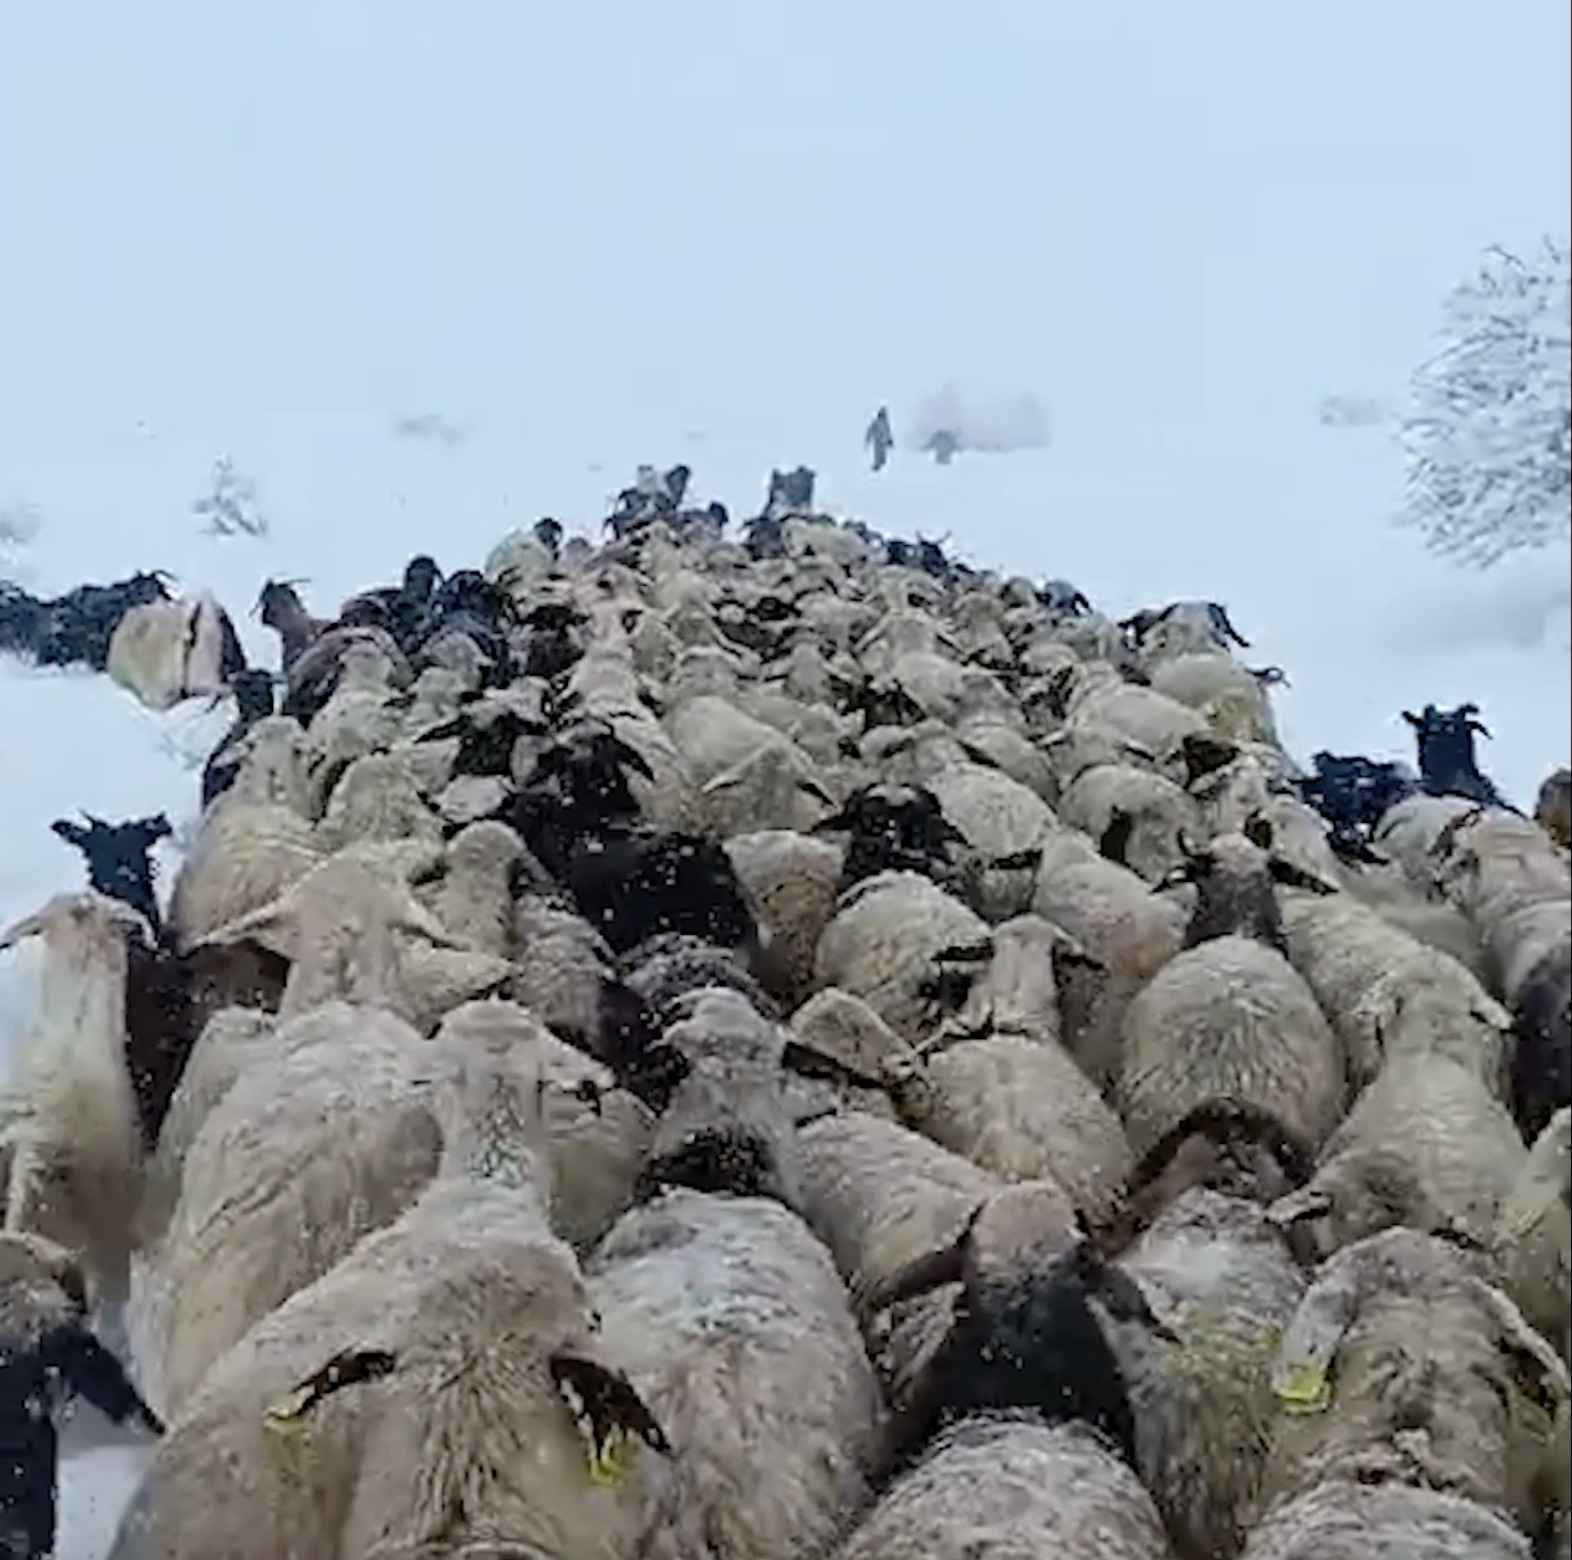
[{"x": 1363, "y": 622}]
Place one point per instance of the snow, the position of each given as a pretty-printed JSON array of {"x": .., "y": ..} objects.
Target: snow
[{"x": 1362, "y": 619}]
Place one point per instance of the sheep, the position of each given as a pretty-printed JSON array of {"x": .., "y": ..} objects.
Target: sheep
[
  {"x": 119, "y": 859},
  {"x": 1387, "y": 995},
  {"x": 736, "y": 1330},
  {"x": 1401, "y": 1365},
  {"x": 1344, "y": 1520},
  {"x": 336, "y": 1136},
  {"x": 1353, "y": 793},
  {"x": 895, "y": 827},
  {"x": 995, "y": 1481},
  {"x": 1138, "y": 817},
  {"x": 789, "y": 881},
  {"x": 1003, "y": 824},
  {"x": 1022, "y": 1333},
  {"x": 1533, "y": 1234},
  {"x": 269, "y": 767},
  {"x": 664, "y": 970},
  {"x": 351, "y": 931},
  {"x": 68, "y": 1116},
  {"x": 473, "y": 902},
  {"x": 400, "y": 609},
  {"x": 378, "y": 797},
  {"x": 1553, "y": 807},
  {"x": 1204, "y": 1408},
  {"x": 884, "y": 945},
  {"x": 1020, "y": 1107},
  {"x": 1182, "y": 627},
  {"x": 164, "y": 652},
  {"x": 1230, "y": 1018},
  {"x": 245, "y": 856},
  {"x": 1447, "y": 765},
  {"x": 1425, "y": 1145},
  {"x": 440, "y": 1390},
  {"x": 1114, "y": 916},
  {"x": 1409, "y": 829},
  {"x": 841, "y": 1053},
  {"x": 723, "y": 1125}
]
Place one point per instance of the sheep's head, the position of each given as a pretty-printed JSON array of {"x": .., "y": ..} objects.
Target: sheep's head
[
  {"x": 1235, "y": 876},
  {"x": 892, "y": 828},
  {"x": 1553, "y": 808},
  {"x": 587, "y": 767},
  {"x": 469, "y": 591},
  {"x": 548, "y": 533},
  {"x": 254, "y": 691},
  {"x": 119, "y": 857},
  {"x": 1063, "y": 599},
  {"x": 664, "y": 968},
  {"x": 1231, "y": 1146},
  {"x": 97, "y": 926}
]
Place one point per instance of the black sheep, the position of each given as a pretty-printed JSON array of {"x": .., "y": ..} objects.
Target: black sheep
[
  {"x": 1447, "y": 764},
  {"x": 399, "y": 610},
  {"x": 1060, "y": 596},
  {"x": 119, "y": 859},
  {"x": 73, "y": 629},
  {"x": 47, "y": 1353},
  {"x": 1024, "y": 1334},
  {"x": 1353, "y": 793}
]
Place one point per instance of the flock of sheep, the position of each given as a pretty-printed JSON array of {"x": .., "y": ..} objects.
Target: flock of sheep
[{"x": 776, "y": 1046}]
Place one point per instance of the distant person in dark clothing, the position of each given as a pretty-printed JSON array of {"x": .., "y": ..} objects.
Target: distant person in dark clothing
[
  {"x": 879, "y": 439},
  {"x": 47, "y": 1355}
]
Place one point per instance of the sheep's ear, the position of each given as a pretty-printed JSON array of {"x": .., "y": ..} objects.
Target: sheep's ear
[
  {"x": 1114, "y": 843},
  {"x": 607, "y": 1409},
  {"x": 347, "y": 1368},
  {"x": 947, "y": 1265},
  {"x": 71, "y": 833},
  {"x": 29, "y": 926},
  {"x": 1292, "y": 876},
  {"x": 1301, "y": 1373}
]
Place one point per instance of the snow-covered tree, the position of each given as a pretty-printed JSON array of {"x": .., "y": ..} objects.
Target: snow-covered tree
[
  {"x": 1488, "y": 431},
  {"x": 230, "y": 506}
]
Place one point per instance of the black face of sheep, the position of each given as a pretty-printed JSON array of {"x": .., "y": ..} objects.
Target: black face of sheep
[
  {"x": 1231, "y": 1146},
  {"x": 421, "y": 575},
  {"x": 791, "y": 492},
  {"x": 1235, "y": 878},
  {"x": 119, "y": 860},
  {"x": 1353, "y": 793},
  {"x": 548, "y": 533},
  {"x": 630, "y": 884},
  {"x": 1447, "y": 764},
  {"x": 1542, "y": 1057},
  {"x": 589, "y": 768},
  {"x": 1024, "y": 1336},
  {"x": 663, "y": 970},
  {"x": 1204, "y": 754},
  {"x": 893, "y": 829},
  {"x": 254, "y": 695},
  {"x": 551, "y": 640}
]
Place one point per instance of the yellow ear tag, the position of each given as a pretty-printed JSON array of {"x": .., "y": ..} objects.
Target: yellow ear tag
[
  {"x": 1304, "y": 1390},
  {"x": 612, "y": 1461}
]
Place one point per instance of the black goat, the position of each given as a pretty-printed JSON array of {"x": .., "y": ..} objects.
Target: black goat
[
  {"x": 764, "y": 537},
  {"x": 119, "y": 859},
  {"x": 73, "y": 629},
  {"x": 400, "y": 610},
  {"x": 1542, "y": 1056},
  {"x": 1447, "y": 765},
  {"x": 1139, "y": 624},
  {"x": 552, "y": 639}
]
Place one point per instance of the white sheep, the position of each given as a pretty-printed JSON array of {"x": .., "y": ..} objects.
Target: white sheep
[
  {"x": 69, "y": 1128},
  {"x": 1229, "y": 1018},
  {"x": 1146, "y": 813},
  {"x": 164, "y": 652},
  {"x": 997, "y": 1480},
  {"x": 1000, "y": 820},
  {"x": 1204, "y": 1407},
  {"x": 1388, "y": 995},
  {"x": 1425, "y": 1145},
  {"x": 1022, "y": 1109},
  {"x": 790, "y": 882},
  {"x": 440, "y": 1390},
  {"x": 883, "y": 945},
  {"x": 1396, "y": 1334},
  {"x": 1533, "y": 1234},
  {"x": 1231, "y": 698},
  {"x": 1343, "y": 1520},
  {"x": 737, "y": 1331},
  {"x": 473, "y": 900}
]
